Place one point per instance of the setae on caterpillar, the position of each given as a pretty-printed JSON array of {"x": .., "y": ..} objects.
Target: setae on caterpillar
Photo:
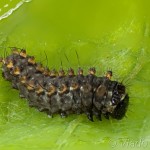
[{"x": 56, "y": 92}]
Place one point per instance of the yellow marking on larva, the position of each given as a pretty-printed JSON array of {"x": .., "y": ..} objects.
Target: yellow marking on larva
[
  {"x": 39, "y": 89},
  {"x": 15, "y": 51},
  {"x": 23, "y": 79},
  {"x": 53, "y": 73},
  {"x": 74, "y": 86},
  {"x": 16, "y": 71},
  {"x": 61, "y": 73},
  {"x": 92, "y": 71},
  {"x": 31, "y": 60},
  {"x": 9, "y": 64},
  {"x": 40, "y": 68},
  {"x": 51, "y": 90},
  {"x": 71, "y": 72},
  {"x": 30, "y": 85},
  {"x": 80, "y": 71},
  {"x": 63, "y": 89},
  {"x": 109, "y": 74},
  {"x": 23, "y": 53}
]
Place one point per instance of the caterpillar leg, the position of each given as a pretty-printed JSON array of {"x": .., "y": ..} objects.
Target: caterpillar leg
[
  {"x": 21, "y": 96},
  {"x": 97, "y": 114},
  {"x": 106, "y": 115},
  {"x": 89, "y": 114},
  {"x": 63, "y": 115}
]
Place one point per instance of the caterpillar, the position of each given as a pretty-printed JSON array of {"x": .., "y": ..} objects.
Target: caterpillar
[{"x": 58, "y": 92}]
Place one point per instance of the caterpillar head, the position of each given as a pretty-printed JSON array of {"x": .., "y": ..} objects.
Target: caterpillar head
[
  {"x": 121, "y": 108},
  {"x": 120, "y": 100},
  {"x": 111, "y": 99}
]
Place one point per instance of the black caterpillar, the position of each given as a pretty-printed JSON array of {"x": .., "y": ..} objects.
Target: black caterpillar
[{"x": 54, "y": 92}]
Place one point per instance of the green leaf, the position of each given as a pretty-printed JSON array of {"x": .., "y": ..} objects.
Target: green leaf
[{"x": 106, "y": 34}]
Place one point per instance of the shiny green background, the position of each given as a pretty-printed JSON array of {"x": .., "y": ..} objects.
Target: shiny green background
[{"x": 106, "y": 34}]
